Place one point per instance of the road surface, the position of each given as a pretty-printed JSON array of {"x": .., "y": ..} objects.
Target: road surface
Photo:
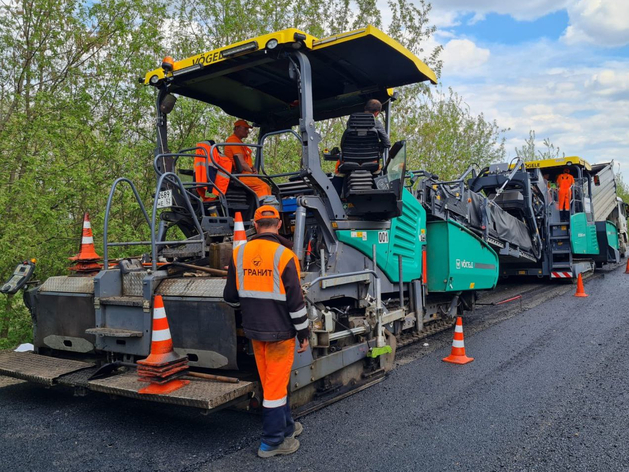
[{"x": 548, "y": 391}]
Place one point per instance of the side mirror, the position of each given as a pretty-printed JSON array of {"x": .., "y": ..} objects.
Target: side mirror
[{"x": 168, "y": 103}]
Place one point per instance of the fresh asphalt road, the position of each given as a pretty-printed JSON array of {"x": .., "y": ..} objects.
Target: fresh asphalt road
[{"x": 548, "y": 391}]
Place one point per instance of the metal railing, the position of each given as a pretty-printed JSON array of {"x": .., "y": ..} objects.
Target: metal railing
[
  {"x": 154, "y": 243},
  {"x": 106, "y": 243}
]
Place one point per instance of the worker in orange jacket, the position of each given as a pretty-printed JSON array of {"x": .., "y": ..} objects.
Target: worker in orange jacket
[
  {"x": 565, "y": 181},
  {"x": 242, "y": 155},
  {"x": 263, "y": 281}
]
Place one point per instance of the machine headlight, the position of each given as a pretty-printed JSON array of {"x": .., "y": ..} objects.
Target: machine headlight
[{"x": 272, "y": 44}]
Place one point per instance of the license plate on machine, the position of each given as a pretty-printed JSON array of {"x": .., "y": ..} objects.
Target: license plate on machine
[{"x": 165, "y": 199}]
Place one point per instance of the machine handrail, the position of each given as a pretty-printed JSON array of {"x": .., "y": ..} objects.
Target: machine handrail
[
  {"x": 261, "y": 156},
  {"x": 177, "y": 181},
  {"x": 106, "y": 243}
]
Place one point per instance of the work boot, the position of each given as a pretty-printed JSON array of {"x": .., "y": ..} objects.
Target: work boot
[
  {"x": 298, "y": 430},
  {"x": 289, "y": 446}
]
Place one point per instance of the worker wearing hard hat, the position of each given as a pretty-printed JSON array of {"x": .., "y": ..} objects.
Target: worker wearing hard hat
[
  {"x": 263, "y": 280},
  {"x": 565, "y": 181},
  {"x": 241, "y": 156}
]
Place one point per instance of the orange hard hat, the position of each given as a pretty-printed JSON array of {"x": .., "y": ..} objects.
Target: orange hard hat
[{"x": 242, "y": 123}]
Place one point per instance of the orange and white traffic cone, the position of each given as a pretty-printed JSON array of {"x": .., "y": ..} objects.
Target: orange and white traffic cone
[
  {"x": 240, "y": 236},
  {"x": 580, "y": 289},
  {"x": 163, "y": 364},
  {"x": 87, "y": 257},
  {"x": 627, "y": 268},
  {"x": 457, "y": 355}
]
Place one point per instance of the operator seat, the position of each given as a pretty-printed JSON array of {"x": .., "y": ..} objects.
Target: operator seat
[
  {"x": 361, "y": 149},
  {"x": 369, "y": 194}
]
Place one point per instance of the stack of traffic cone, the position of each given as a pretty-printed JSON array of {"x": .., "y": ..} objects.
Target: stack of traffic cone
[
  {"x": 240, "y": 237},
  {"x": 580, "y": 288},
  {"x": 85, "y": 260},
  {"x": 457, "y": 355},
  {"x": 163, "y": 366}
]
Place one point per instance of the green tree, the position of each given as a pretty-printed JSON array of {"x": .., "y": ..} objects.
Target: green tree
[
  {"x": 443, "y": 136},
  {"x": 622, "y": 189},
  {"x": 71, "y": 121},
  {"x": 529, "y": 151}
]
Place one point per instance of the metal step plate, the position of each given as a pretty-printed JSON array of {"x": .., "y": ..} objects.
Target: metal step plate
[
  {"x": 36, "y": 368},
  {"x": 204, "y": 394}
]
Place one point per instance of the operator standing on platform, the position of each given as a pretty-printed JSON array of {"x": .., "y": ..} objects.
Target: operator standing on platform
[
  {"x": 242, "y": 155},
  {"x": 263, "y": 279},
  {"x": 565, "y": 181}
]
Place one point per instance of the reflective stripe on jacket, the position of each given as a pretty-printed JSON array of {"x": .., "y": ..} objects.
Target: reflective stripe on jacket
[
  {"x": 221, "y": 180},
  {"x": 264, "y": 276}
]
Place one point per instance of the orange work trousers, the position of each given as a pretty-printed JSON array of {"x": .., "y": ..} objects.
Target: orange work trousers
[
  {"x": 261, "y": 188},
  {"x": 564, "y": 199},
  {"x": 274, "y": 360}
]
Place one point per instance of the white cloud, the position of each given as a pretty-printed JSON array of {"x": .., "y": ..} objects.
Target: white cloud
[
  {"x": 600, "y": 22},
  {"x": 564, "y": 90},
  {"x": 520, "y": 10},
  {"x": 463, "y": 57},
  {"x": 565, "y": 93},
  {"x": 610, "y": 83},
  {"x": 444, "y": 18}
]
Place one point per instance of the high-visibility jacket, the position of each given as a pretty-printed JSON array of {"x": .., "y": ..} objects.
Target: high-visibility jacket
[
  {"x": 244, "y": 150},
  {"x": 259, "y": 186},
  {"x": 565, "y": 181},
  {"x": 263, "y": 278},
  {"x": 220, "y": 179}
]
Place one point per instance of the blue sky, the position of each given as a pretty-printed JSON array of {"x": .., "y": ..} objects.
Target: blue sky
[
  {"x": 559, "y": 67},
  {"x": 504, "y": 29}
]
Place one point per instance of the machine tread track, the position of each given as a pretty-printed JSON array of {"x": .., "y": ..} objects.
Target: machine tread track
[{"x": 429, "y": 329}]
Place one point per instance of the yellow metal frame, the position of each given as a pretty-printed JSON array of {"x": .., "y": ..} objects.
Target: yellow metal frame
[
  {"x": 375, "y": 32},
  {"x": 288, "y": 36},
  {"x": 215, "y": 56},
  {"x": 559, "y": 162}
]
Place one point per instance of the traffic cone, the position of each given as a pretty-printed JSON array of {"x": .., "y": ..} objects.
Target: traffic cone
[
  {"x": 580, "y": 290},
  {"x": 457, "y": 355},
  {"x": 87, "y": 251},
  {"x": 240, "y": 237},
  {"x": 162, "y": 367},
  {"x": 162, "y": 352},
  {"x": 627, "y": 269},
  {"x": 85, "y": 260}
]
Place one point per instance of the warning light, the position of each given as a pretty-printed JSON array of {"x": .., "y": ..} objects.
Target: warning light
[{"x": 168, "y": 64}]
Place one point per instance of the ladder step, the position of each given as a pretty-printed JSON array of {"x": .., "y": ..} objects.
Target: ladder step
[
  {"x": 124, "y": 301},
  {"x": 114, "y": 332},
  {"x": 561, "y": 265}
]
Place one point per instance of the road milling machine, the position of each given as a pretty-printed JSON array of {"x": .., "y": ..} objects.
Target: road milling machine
[{"x": 377, "y": 267}]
